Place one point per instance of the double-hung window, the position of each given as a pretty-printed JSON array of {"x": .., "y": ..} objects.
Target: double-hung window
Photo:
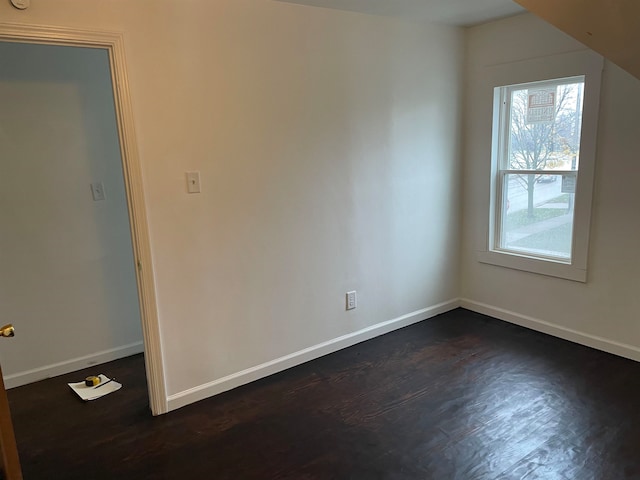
[
  {"x": 543, "y": 152},
  {"x": 538, "y": 167}
]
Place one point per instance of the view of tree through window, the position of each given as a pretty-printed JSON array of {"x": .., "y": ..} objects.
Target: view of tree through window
[{"x": 538, "y": 167}]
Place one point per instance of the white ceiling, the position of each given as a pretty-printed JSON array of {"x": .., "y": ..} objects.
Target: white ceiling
[{"x": 452, "y": 12}]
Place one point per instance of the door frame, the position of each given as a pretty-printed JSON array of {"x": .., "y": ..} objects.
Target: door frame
[{"x": 113, "y": 43}]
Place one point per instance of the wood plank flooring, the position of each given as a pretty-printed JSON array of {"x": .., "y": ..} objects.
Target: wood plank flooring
[{"x": 459, "y": 396}]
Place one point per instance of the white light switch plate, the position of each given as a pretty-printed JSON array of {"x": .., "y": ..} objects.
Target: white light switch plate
[
  {"x": 193, "y": 182},
  {"x": 97, "y": 190}
]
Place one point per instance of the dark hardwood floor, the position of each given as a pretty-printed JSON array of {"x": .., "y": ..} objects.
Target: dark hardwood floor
[{"x": 459, "y": 396}]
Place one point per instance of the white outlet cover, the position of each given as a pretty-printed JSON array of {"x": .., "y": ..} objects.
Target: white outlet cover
[{"x": 352, "y": 300}]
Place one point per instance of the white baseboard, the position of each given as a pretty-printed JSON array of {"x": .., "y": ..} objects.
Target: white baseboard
[
  {"x": 229, "y": 382},
  {"x": 593, "y": 341},
  {"x": 71, "y": 365}
]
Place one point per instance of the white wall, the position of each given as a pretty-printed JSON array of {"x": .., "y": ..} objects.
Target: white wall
[
  {"x": 602, "y": 312},
  {"x": 67, "y": 281},
  {"x": 328, "y": 148}
]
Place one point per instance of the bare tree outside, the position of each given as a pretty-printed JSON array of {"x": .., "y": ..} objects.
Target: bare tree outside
[{"x": 546, "y": 143}]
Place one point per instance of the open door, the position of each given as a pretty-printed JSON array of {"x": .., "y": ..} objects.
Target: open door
[
  {"x": 113, "y": 43},
  {"x": 9, "y": 458}
]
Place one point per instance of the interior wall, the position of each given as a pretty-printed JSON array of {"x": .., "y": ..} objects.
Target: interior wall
[
  {"x": 603, "y": 311},
  {"x": 67, "y": 282},
  {"x": 327, "y": 144}
]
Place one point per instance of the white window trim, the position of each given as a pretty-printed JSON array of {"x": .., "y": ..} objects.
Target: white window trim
[{"x": 572, "y": 64}]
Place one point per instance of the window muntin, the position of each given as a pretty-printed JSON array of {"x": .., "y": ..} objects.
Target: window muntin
[{"x": 537, "y": 167}]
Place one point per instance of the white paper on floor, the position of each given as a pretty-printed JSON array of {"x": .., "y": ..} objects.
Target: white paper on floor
[{"x": 100, "y": 390}]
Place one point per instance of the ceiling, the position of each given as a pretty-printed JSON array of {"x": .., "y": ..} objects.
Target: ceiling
[
  {"x": 611, "y": 28},
  {"x": 452, "y": 12}
]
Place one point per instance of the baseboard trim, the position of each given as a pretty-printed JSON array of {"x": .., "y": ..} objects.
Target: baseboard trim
[
  {"x": 55, "y": 369},
  {"x": 593, "y": 341},
  {"x": 243, "y": 377}
]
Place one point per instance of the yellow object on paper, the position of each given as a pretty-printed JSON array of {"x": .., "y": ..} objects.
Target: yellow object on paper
[{"x": 100, "y": 390}]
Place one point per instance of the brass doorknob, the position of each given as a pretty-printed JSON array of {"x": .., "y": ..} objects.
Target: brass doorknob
[{"x": 7, "y": 331}]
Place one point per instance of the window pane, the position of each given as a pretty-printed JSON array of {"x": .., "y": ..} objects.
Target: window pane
[
  {"x": 544, "y": 127},
  {"x": 537, "y": 214}
]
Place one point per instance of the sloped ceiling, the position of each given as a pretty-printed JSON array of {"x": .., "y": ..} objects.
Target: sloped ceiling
[
  {"x": 452, "y": 12},
  {"x": 610, "y": 27}
]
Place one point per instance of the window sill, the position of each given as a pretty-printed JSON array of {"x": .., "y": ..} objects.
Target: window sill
[{"x": 533, "y": 265}]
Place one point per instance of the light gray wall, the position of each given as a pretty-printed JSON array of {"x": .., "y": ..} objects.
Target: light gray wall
[
  {"x": 604, "y": 311},
  {"x": 67, "y": 279}
]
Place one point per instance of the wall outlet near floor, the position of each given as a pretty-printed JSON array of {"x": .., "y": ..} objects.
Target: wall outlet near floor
[{"x": 352, "y": 300}]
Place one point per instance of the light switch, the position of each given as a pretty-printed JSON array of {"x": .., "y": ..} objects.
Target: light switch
[
  {"x": 97, "y": 190},
  {"x": 193, "y": 182}
]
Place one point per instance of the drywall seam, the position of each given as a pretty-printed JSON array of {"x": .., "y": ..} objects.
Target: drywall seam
[
  {"x": 48, "y": 371},
  {"x": 593, "y": 341},
  {"x": 234, "y": 380}
]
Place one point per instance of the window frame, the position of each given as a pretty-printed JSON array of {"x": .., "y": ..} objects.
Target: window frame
[{"x": 584, "y": 63}]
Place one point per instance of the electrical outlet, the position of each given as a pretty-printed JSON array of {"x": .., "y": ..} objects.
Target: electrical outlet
[{"x": 352, "y": 300}]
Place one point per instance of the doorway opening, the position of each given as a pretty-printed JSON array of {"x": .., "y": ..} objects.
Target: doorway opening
[{"x": 106, "y": 195}]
